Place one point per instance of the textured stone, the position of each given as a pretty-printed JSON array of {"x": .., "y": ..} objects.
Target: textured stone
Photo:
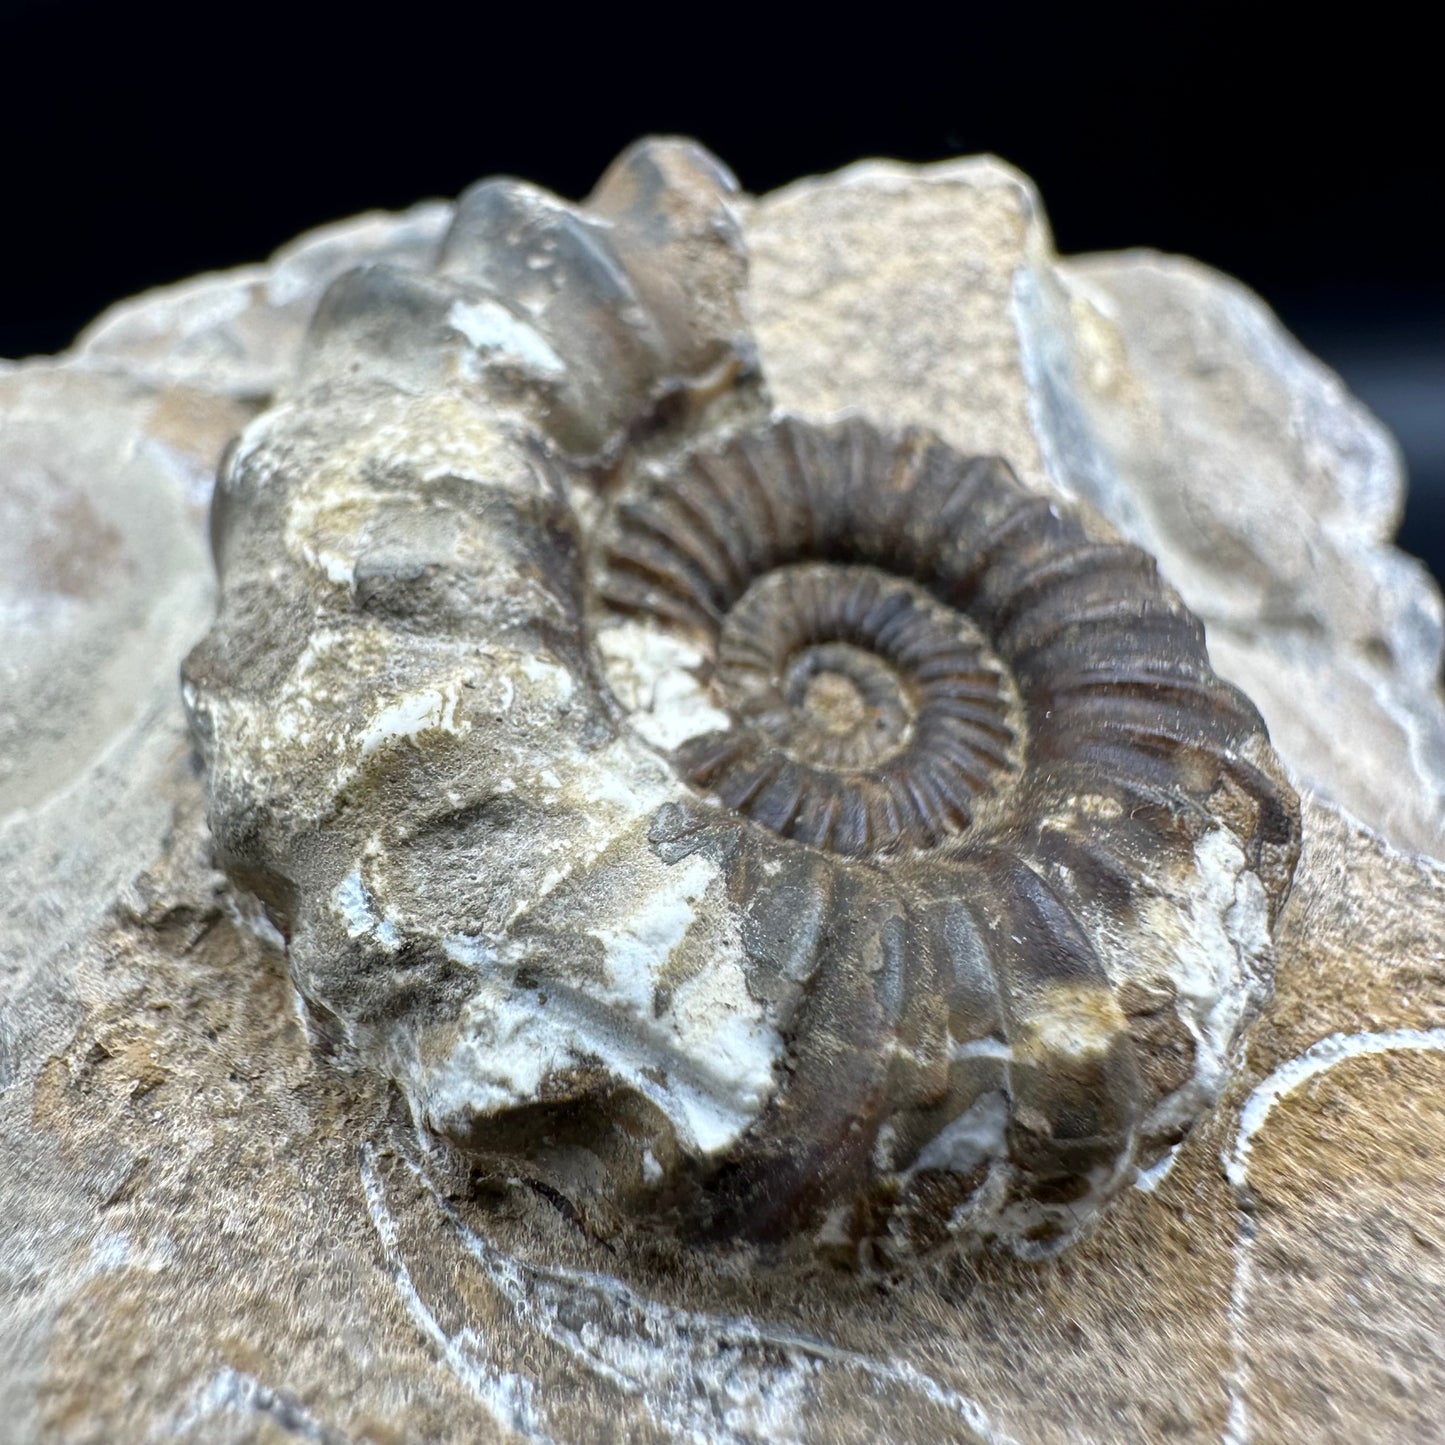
[{"x": 210, "y": 1233}]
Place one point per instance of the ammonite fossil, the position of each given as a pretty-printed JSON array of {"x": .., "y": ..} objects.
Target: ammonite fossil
[{"x": 750, "y": 825}]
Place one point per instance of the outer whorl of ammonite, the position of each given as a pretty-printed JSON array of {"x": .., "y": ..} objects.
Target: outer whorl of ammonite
[
  {"x": 906, "y": 662},
  {"x": 742, "y": 827}
]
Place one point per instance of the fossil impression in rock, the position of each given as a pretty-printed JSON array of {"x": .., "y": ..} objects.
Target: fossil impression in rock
[{"x": 749, "y": 825}]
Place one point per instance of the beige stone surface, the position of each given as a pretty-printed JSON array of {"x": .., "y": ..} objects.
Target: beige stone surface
[
  {"x": 232, "y": 1241},
  {"x": 209, "y": 1232}
]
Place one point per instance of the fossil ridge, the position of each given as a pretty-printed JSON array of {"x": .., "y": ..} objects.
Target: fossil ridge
[{"x": 744, "y": 823}]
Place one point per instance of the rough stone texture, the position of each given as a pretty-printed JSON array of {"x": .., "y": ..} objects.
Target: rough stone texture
[{"x": 211, "y": 1234}]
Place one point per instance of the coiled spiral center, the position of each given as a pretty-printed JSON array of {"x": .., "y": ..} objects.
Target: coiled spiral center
[
  {"x": 869, "y": 712},
  {"x": 866, "y": 711},
  {"x": 851, "y": 709}
]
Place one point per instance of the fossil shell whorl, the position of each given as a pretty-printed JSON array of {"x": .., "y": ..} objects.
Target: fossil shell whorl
[
  {"x": 928, "y": 671},
  {"x": 908, "y": 716},
  {"x": 748, "y": 825},
  {"x": 870, "y": 716}
]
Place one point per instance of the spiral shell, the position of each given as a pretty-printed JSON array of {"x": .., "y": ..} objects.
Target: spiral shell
[
  {"x": 751, "y": 825},
  {"x": 934, "y": 675}
]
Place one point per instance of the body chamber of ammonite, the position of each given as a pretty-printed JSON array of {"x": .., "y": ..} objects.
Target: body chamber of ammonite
[{"x": 750, "y": 826}]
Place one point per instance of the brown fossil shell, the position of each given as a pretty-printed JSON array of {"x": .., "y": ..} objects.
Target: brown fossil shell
[
  {"x": 748, "y": 825},
  {"x": 984, "y": 729}
]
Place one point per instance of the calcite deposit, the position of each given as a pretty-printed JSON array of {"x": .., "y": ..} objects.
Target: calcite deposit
[{"x": 255, "y": 1186}]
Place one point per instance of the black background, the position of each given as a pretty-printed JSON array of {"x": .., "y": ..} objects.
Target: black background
[{"x": 145, "y": 143}]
